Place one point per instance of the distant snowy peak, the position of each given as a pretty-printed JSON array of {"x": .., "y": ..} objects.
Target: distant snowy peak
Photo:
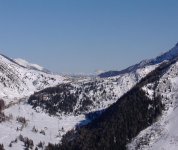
[{"x": 28, "y": 65}]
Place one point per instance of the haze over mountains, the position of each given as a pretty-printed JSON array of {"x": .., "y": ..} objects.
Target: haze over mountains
[{"x": 135, "y": 108}]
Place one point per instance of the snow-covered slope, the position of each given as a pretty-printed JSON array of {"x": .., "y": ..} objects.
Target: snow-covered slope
[
  {"x": 39, "y": 127},
  {"x": 162, "y": 135},
  {"x": 17, "y": 81}
]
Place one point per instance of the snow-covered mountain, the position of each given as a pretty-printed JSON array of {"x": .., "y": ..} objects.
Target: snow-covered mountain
[
  {"x": 145, "y": 118},
  {"x": 69, "y": 101},
  {"x": 17, "y": 81},
  {"x": 60, "y": 103},
  {"x": 163, "y": 133},
  {"x": 88, "y": 94}
]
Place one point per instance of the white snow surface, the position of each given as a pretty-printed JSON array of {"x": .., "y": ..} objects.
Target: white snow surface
[{"x": 54, "y": 127}]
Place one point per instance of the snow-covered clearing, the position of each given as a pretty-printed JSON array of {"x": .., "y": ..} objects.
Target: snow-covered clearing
[{"x": 51, "y": 127}]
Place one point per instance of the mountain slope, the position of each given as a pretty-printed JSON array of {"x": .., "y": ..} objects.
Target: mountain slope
[
  {"x": 163, "y": 134},
  {"x": 88, "y": 95},
  {"x": 123, "y": 120},
  {"x": 18, "y": 81},
  {"x": 72, "y": 103},
  {"x": 151, "y": 103}
]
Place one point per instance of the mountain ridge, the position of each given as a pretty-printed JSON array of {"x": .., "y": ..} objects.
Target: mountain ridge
[
  {"x": 171, "y": 54},
  {"x": 18, "y": 81}
]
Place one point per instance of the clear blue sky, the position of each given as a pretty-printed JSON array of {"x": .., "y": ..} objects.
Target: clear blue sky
[{"x": 84, "y": 35}]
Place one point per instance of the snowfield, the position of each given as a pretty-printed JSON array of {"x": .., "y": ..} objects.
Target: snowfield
[{"x": 53, "y": 127}]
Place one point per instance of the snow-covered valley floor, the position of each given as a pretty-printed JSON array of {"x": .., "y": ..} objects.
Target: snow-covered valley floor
[{"x": 39, "y": 126}]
